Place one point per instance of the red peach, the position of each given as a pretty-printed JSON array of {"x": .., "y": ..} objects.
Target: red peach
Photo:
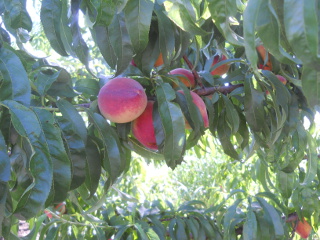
[
  {"x": 303, "y": 228},
  {"x": 281, "y": 79},
  {"x": 223, "y": 68},
  {"x": 185, "y": 76},
  {"x": 143, "y": 129},
  {"x": 202, "y": 108},
  {"x": 263, "y": 53},
  {"x": 159, "y": 61},
  {"x": 122, "y": 100}
]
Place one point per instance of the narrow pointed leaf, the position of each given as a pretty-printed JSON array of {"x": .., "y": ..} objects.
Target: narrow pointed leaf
[
  {"x": 17, "y": 13},
  {"x": 113, "y": 161},
  {"x": 120, "y": 42},
  {"x": 15, "y": 84},
  {"x": 60, "y": 159},
  {"x": 50, "y": 16},
  {"x": 27, "y": 125},
  {"x": 138, "y": 15},
  {"x": 173, "y": 125}
]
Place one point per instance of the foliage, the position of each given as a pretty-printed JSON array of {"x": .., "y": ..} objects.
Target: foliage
[{"x": 55, "y": 145}]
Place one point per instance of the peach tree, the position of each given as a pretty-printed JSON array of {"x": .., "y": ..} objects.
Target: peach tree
[{"x": 254, "y": 65}]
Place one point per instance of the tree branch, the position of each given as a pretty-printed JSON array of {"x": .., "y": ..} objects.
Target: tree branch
[
  {"x": 194, "y": 72},
  {"x": 222, "y": 89}
]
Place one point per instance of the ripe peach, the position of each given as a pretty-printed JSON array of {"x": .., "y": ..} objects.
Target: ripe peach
[
  {"x": 159, "y": 61},
  {"x": 223, "y": 68},
  {"x": 202, "y": 108},
  {"x": 143, "y": 129},
  {"x": 133, "y": 63},
  {"x": 187, "y": 77},
  {"x": 263, "y": 54},
  {"x": 303, "y": 228},
  {"x": 122, "y": 100}
]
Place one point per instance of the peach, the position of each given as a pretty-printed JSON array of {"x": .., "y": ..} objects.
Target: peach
[
  {"x": 202, "y": 108},
  {"x": 223, "y": 68},
  {"x": 303, "y": 228},
  {"x": 263, "y": 54},
  {"x": 122, "y": 100},
  {"x": 143, "y": 129},
  {"x": 133, "y": 63},
  {"x": 185, "y": 76},
  {"x": 159, "y": 61}
]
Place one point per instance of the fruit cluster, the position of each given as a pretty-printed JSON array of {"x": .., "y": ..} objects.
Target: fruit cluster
[{"x": 123, "y": 100}]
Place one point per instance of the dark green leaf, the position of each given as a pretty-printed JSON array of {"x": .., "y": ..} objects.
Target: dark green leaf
[
  {"x": 75, "y": 136},
  {"x": 27, "y": 125},
  {"x": 274, "y": 216},
  {"x": 17, "y": 13},
  {"x": 113, "y": 160},
  {"x": 79, "y": 45},
  {"x": 50, "y": 16},
  {"x": 301, "y": 25},
  {"x": 87, "y": 86},
  {"x": 231, "y": 114},
  {"x": 134, "y": 145},
  {"x": 311, "y": 85},
  {"x": 182, "y": 17},
  {"x": 60, "y": 160},
  {"x": 229, "y": 215},
  {"x": 106, "y": 11},
  {"x": 44, "y": 81},
  {"x": 166, "y": 38},
  {"x": 102, "y": 39},
  {"x": 286, "y": 183},
  {"x": 120, "y": 42},
  {"x": 312, "y": 163},
  {"x": 221, "y": 12},
  {"x": 250, "y": 16},
  {"x": 180, "y": 230},
  {"x": 253, "y": 106},
  {"x": 173, "y": 125},
  {"x": 250, "y": 227},
  {"x": 224, "y": 133},
  {"x": 93, "y": 169},
  {"x": 15, "y": 84},
  {"x": 138, "y": 15}
]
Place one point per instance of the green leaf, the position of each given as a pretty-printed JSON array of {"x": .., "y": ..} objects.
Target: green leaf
[
  {"x": 134, "y": 145},
  {"x": 27, "y": 125},
  {"x": 106, "y": 11},
  {"x": 15, "y": 84},
  {"x": 173, "y": 125},
  {"x": 120, "y": 42},
  {"x": 312, "y": 163},
  {"x": 50, "y": 16},
  {"x": 65, "y": 30},
  {"x": 231, "y": 114},
  {"x": 224, "y": 133},
  {"x": 253, "y": 106},
  {"x": 166, "y": 38},
  {"x": 79, "y": 45},
  {"x": 301, "y": 26},
  {"x": 250, "y": 227},
  {"x": 286, "y": 183},
  {"x": 60, "y": 160},
  {"x": 93, "y": 168},
  {"x": 268, "y": 25},
  {"x": 250, "y": 16},
  {"x": 221, "y": 12},
  {"x": 180, "y": 230},
  {"x": 113, "y": 161},
  {"x": 17, "y": 13},
  {"x": 75, "y": 135},
  {"x": 87, "y": 86},
  {"x": 101, "y": 35},
  {"x": 229, "y": 215},
  {"x": 311, "y": 85},
  {"x": 138, "y": 15},
  {"x": 273, "y": 216},
  {"x": 44, "y": 81},
  {"x": 182, "y": 17}
]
